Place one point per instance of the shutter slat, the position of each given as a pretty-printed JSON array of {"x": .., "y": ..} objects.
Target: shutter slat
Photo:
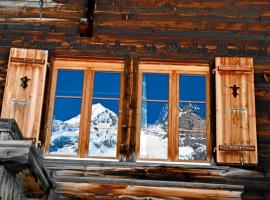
[
  {"x": 235, "y": 111},
  {"x": 25, "y": 104}
]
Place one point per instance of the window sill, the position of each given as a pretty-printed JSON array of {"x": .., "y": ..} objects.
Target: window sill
[{"x": 52, "y": 160}]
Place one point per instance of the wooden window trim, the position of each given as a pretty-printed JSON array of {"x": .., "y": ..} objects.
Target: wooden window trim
[
  {"x": 173, "y": 70},
  {"x": 89, "y": 66}
]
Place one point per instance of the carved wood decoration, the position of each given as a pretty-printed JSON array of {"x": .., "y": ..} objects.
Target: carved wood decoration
[
  {"x": 24, "y": 89},
  {"x": 235, "y": 111}
]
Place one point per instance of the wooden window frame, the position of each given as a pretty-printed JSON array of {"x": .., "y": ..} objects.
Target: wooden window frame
[
  {"x": 173, "y": 70},
  {"x": 89, "y": 66}
]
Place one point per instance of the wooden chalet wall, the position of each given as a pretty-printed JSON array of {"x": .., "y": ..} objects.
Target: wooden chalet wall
[{"x": 180, "y": 30}]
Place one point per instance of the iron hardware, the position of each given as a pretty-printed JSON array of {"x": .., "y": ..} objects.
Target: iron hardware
[
  {"x": 24, "y": 81},
  {"x": 234, "y": 90}
]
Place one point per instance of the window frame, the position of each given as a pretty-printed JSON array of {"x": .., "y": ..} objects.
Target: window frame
[
  {"x": 89, "y": 66},
  {"x": 174, "y": 69}
]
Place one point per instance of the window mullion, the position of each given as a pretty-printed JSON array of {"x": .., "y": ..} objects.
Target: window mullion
[
  {"x": 138, "y": 122},
  {"x": 176, "y": 111},
  {"x": 173, "y": 122},
  {"x": 85, "y": 114}
]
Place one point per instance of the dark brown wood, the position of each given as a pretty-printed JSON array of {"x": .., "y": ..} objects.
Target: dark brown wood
[
  {"x": 236, "y": 148},
  {"x": 27, "y": 60},
  {"x": 167, "y": 30}
]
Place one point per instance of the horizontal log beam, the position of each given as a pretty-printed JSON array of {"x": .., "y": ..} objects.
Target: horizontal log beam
[
  {"x": 151, "y": 183},
  {"x": 71, "y": 190}
]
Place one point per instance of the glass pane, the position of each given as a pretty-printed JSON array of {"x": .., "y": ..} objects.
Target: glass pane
[
  {"x": 192, "y": 132},
  {"x": 154, "y": 130},
  {"x": 104, "y": 127},
  {"x": 192, "y": 116},
  {"x": 65, "y": 128},
  {"x": 155, "y": 86},
  {"x": 192, "y": 88},
  {"x": 192, "y": 146},
  {"x": 107, "y": 84},
  {"x": 69, "y": 83}
]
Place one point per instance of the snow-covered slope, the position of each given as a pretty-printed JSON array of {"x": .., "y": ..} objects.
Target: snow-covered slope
[
  {"x": 103, "y": 133},
  {"x": 192, "y": 145},
  {"x": 153, "y": 141}
]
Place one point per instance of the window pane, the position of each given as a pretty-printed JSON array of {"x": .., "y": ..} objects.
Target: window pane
[
  {"x": 104, "y": 127},
  {"x": 192, "y": 116},
  {"x": 155, "y": 86},
  {"x": 192, "y": 132},
  {"x": 65, "y": 128},
  {"x": 192, "y": 88},
  {"x": 154, "y": 130},
  {"x": 107, "y": 84},
  {"x": 192, "y": 146},
  {"x": 69, "y": 83}
]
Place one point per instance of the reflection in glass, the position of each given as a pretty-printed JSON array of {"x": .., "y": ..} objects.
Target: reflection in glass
[
  {"x": 192, "y": 88},
  {"x": 192, "y": 131},
  {"x": 104, "y": 128},
  {"x": 65, "y": 128},
  {"x": 154, "y": 130},
  {"x": 192, "y": 146},
  {"x": 69, "y": 83},
  {"x": 104, "y": 116},
  {"x": 155, "y": 86},
  {"x": 107, "y": 85}
]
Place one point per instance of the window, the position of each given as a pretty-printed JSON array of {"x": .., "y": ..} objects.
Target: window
[
  {"x": 174, "y": 112},
  {"x": 85, "y": 109}
]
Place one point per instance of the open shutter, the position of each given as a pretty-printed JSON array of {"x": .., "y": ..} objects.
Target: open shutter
[
  {"x": 235, "y": 111},
  {"x": 24, "y": 89}
]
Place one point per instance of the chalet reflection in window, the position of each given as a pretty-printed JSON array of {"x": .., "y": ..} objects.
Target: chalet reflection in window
[
  {"x": 173, "y": 111},
  {"x": 86, "y": 108}
]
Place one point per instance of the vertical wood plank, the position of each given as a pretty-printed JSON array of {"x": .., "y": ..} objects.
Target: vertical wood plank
[
  {"x": 49, "y": 120},
  {"x": 133, "y": 109},
  {"x": 83, "y": 143},
  {"x": 25, "y": 105},
  {"x": 138, "y": 122},
  {"x": 235, "y": 111}
]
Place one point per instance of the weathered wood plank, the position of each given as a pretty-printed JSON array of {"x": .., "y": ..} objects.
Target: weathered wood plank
[
  {"x": 111, "y": 191},
  {"x": 24, "y": 104},
  {"x": 231, "y": 23},
  {"x": 9, "y": 188}
]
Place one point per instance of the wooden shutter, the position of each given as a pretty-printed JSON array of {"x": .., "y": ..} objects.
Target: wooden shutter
[
  {"x": 235, "y": 111},
  {"x": 23, "y": 99}
]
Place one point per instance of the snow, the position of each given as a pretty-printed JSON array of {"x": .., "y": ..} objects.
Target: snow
[
  {"x": 97, "y": 109},
  {"x": 152, "y": 146},
  {"x": 74, "y": 120},
  {"x": 185, "y": 153},
  {"x": 103, "y": 134},
  {"x": 153, "y": 139}
]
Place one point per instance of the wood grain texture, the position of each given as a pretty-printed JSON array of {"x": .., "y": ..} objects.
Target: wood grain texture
[
  {"x": 21, "y": 168},
  {"x": 235, "y": 111},
  {"x": 9, "y": 188},
  {"x": 112, "y": 191},
  {"x": 25, "y": 104},
  {"x": 143, "y": 29}
]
